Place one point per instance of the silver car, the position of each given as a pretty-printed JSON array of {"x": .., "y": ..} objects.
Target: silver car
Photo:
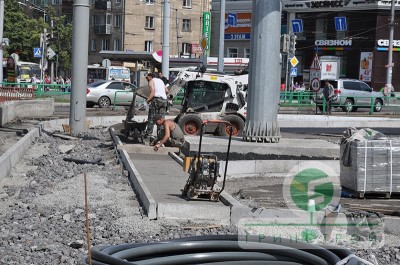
[
  {"x": 351, "y": 95},
  {"x": 105, "y": 93}
]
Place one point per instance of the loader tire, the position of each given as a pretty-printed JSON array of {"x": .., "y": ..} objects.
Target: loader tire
[
  {"x": 237, "y": 124},
  {"x": 190, "y": 124}
]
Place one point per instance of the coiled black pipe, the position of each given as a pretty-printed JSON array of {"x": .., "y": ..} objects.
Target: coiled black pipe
[{"x": 219, "y": 249}]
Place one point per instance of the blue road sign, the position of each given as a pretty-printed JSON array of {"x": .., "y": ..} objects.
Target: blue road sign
[
  {"x": 232, "y": 19},
  {"x": 340, "y": 24},
  {"x": 37, "y": 52},
  {"x": 293, "y": 72},
  {"x": 297, "y": 25}
]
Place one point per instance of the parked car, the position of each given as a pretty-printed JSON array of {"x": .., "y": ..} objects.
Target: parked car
[
  {"x": 105, "y": 92},
  {"x": 352, "y": 94}
]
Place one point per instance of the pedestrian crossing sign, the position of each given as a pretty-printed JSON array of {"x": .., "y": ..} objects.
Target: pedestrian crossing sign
[
  {"x": 37, "y": 52},
  {"x": 293, "y": 72}
]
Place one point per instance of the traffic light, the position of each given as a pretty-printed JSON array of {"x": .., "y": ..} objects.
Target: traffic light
[
  {"x": 292, "y": 45},
  {"x": 48, "y": 39},
  {"x": 285, "y": 43}
]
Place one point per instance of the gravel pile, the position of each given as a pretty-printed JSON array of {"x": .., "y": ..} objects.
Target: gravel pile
[{"x": 42, "y": 206}]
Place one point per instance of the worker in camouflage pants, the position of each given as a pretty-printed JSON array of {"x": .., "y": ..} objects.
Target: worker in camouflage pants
[{"x": 157, "y": 100}]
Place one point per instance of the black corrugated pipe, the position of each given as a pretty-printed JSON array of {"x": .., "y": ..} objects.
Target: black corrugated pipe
[{"x": 219, "y": 249}]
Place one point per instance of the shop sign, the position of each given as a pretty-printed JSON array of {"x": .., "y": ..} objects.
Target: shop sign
[
  {"x": 329, "y": 70},
  {"x": 366, "y": 66},
  {"x": 333, "y": 42},
  {"x": 385, "y": 43},
  {"x": 238, "y": 28}
]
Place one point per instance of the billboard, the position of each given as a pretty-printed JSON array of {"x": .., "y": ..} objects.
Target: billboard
[
  {"x": 366, "y": 66},
  {"x": 237, "y": 26}
]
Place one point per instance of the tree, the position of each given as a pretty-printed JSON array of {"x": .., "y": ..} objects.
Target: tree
[
  {"x": 23, "y": 32},
  {"x": 62, "y": 39}
]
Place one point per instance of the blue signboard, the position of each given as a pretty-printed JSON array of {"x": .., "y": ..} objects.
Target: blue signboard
[
  {"x": 232, "y": 20},
  {"x": 237, "y": 36},
  {"x": 37, "y": 52},
  {"x": 293, "y": 72},
  {"x": 340, "y": 24},
  {"x": 297, "y": 25}
]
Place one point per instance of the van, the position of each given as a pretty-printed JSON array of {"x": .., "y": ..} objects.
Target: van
[{"x": 351, "y": 95}]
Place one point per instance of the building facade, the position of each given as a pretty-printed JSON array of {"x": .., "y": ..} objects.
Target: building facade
[{"x": 356, "y": 32}]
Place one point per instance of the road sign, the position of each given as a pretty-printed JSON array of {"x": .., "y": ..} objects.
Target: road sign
[
  {"x": 37, "y": 52},
  {"x": 340, "y": 24},
  {"x": 203, "y": 43},
  {"x": 315, "y": 65},
  {"x": 297, "y": 25},
  {"x": 50, "y": 53},
  {"x": 315, "y": 84},
  {"x": 232, "y": 20},
  {"x": 293, "y": 72},
  {"x": 294, "y": 61}
]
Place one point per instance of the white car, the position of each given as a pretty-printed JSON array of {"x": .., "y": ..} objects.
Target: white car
[{"x": 105, "y": 93}]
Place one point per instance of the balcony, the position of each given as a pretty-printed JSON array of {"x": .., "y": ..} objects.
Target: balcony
[
  {"x": 102, "y": 5},
  {"x": 102, "y": 29}
]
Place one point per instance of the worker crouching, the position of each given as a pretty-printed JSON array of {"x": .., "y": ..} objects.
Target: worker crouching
[{"x": 170, "y": 134}]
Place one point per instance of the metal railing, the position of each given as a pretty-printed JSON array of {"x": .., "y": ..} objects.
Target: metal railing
[{"x": 9, "y": 92}]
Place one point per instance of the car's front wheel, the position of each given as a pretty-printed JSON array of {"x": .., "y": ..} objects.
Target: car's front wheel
[
  {"x": 378, "y": 105},
  {"x": 348, "y": 105},
  {"x": 104, "y": 102}
]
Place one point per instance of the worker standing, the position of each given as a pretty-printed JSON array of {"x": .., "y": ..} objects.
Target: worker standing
[{"x": 157, "y": 100}]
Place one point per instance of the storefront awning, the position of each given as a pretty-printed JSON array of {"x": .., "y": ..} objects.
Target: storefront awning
[{"x": 127, "y": 56}]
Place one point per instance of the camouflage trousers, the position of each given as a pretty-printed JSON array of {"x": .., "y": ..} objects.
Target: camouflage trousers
[{"x": 157, "y": 106}]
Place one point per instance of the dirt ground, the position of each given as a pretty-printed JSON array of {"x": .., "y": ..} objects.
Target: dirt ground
[{"x": 267, "y": 191}]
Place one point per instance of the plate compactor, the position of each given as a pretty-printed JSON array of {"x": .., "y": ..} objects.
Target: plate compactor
[{"x": 203, "y": 170}]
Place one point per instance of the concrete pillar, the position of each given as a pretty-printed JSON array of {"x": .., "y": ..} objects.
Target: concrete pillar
[
  {"x": 165, "y": 44},
  {"x": 80, "y": 40},
  {"x": 264, "y": 74}
]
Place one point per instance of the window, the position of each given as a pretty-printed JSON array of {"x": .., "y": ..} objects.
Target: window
[
  {"x": 116, "y": 86},
  {"x": 186, "y": 47},
  {"x": 117, "y": 21},
  {"x": 149, "y": 2},
  {"x": 118, "y": 1},
  {"x": 93, "y": 45},
  {"x": 187, "y": 3},
  {"x": 94, "y": 20},
  {"x": 351, "y": 85},
  {"x": 149, "y": 22},
  {"x": 187, "y": 25},
  {"x": 117, "y": 44},
  {"x": 232, "y": 53},
  {"x": 246, "y": 53},
  {"x": 105, "y": 44},
  {"x": 365, "y": 87},
  {"x": 148, "y": 46}
]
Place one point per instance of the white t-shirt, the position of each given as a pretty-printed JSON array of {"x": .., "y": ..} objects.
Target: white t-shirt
[{"x": 159, "y": 87}]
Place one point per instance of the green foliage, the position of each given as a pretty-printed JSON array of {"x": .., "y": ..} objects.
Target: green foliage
[{"x": 24, "y": 33}]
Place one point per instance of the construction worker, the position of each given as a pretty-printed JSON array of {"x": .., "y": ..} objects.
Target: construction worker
[{"x": 170, "y": 135}]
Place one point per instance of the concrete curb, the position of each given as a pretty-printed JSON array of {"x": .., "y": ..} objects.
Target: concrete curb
[
  {"x": 13, "y": 155},
  {"x": 144, "y": 194},
  {"x": 12, "y": 110}
]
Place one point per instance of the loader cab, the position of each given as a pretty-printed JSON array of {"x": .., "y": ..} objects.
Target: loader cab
[{"x": 205, "y": 96}]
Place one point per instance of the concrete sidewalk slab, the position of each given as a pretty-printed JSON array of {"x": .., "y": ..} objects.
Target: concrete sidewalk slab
[{"x": 286, "y": 148}]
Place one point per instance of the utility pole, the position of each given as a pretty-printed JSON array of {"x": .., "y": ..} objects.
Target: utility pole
[
  {"x": 1, "y": 37},
  {"x": 80, "y": 40},
  {"x": 177, "y": 31},
  {"x": 264, "y": 76},
  {"x": 221, "y": 37},
  {"x": 165, "y": 43},
  {"x": 390, "y": 50}
]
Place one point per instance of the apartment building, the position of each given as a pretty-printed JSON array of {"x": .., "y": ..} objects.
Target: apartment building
[{"x": 144, "y": 19}]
